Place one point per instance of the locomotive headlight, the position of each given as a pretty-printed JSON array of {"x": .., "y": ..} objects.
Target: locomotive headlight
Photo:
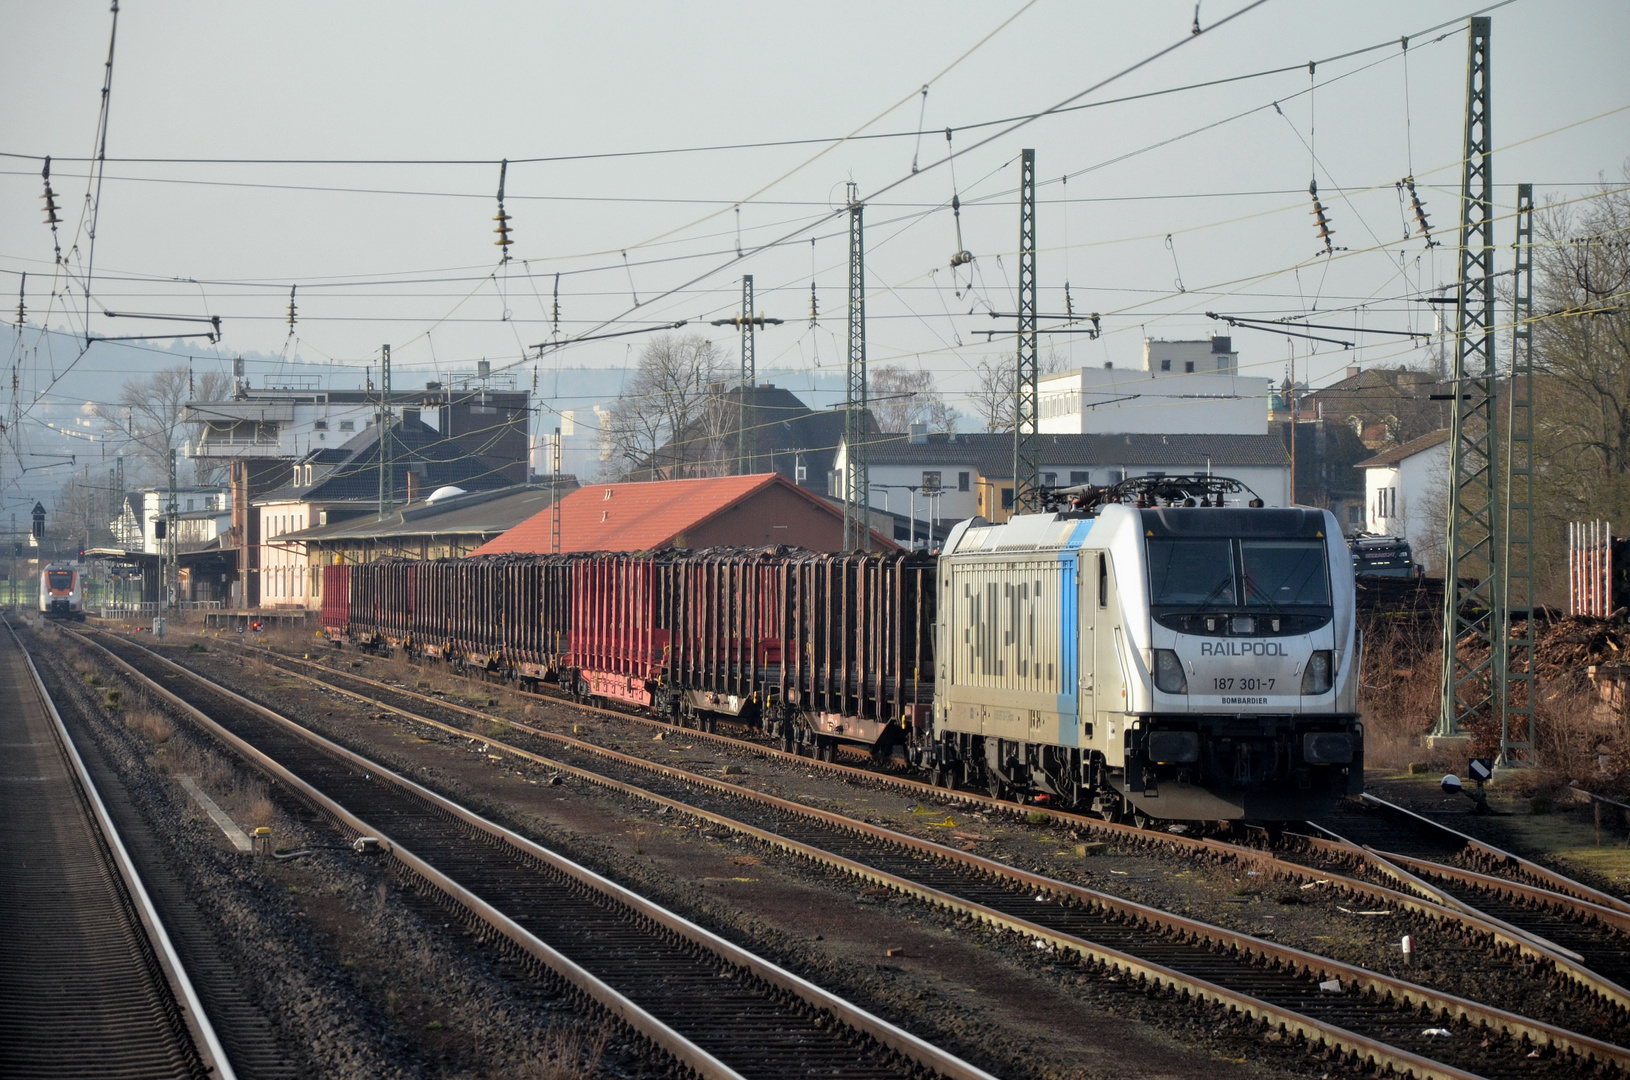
[
  {"x": 1316, "y": 677},
  {"x": 1169, "y": 673}
]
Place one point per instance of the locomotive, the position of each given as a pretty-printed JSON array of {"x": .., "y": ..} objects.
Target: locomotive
[
  {"x": 1141, "y": 651},
  {"x": 62, "y": 593}
]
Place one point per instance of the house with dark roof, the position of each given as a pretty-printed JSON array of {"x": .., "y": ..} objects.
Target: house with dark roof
[
  {"x": 1406, "y": 493},
  {"x": 335, "y": 484},
  {"x": 448, "y": 524},
  {"x": 757, "y": 510},
  {"x": 784, "y": 436},
  {"x": 949, "y": 477},
  {"x": 1384, "y": 406}
]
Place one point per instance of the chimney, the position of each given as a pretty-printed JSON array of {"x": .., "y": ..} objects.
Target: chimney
[
  {"x": 919, "y": 433},
  {"x": 410, "y": 416},
  {"x": 413, "y": 486},
  {"x": 1352, "y": 372}
]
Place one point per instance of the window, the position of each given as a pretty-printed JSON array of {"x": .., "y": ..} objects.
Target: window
[
  {"x": 320, "y": 425},
  {"x": 1281, "y": 573},
  {"x": 931, "y": 481},
  {"x": 348, "y": 425},
  {"x": 1165, "y": 365},
  {"x": 1191, "y": 572},
  {"x": 962, "y": 480},
  {"x": 1188, "y": 365},
  {"x": 1050, "y": 479},
  {"x": 1080, "y": 476},
  {"x": 1103, "y": 580},
  {"x": 297, "y": 476},
  {"x": 1007, "y": 498}
]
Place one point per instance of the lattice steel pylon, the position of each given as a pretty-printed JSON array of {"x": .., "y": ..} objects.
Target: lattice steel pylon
[
  {"x": 387, "y": 467},
  {"x": 857, "y": 495},
  {"x": 1026, "y": 441},
  {"x": 749, "y": 380},
  {"x": 1474, "y": 594},
  {"x": 1516, "y": 670}
]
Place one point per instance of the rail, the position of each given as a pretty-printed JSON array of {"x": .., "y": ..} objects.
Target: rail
[
  {"x": 1266, "y": 962},
  {"x": 665, "y": 1034}
]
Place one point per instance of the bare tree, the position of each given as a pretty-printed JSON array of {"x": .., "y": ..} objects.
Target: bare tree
[
  {"x": 83, "y": 512},
  {"x": 148, "y": 414},
  {"x": 1581, "y": 336},
  {"x": 997, "y": 395},
  {"x": 654, "y": 424},
  {"x": 900, "y": 396}
]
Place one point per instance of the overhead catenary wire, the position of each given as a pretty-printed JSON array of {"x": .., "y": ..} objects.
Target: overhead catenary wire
[{"x": 631, "y": 282}]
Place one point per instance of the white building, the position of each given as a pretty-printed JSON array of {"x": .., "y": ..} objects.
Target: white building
[
  {"x": 202, "y": 516},
  {"x": 1183, "y": 388},
  {"x": 952, "y": 477},
  {"x": 1406, "y": 493}
]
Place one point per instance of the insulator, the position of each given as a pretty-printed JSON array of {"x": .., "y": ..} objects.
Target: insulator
[
  {"x": 291, "y": 308},
  {"x": 961, "y": 258},
  {"x": 50, "y": 198},
  {"x": 814, "y": 307},
  {"x": 502, "y": 230},
  {"x": 1320, "y": 221},
  {"x": 1420, "y": 211},
  {"x": 1069, "y": 305}
]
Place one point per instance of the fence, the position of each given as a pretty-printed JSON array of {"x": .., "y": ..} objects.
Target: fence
[{"x": 1590, "y": 568}]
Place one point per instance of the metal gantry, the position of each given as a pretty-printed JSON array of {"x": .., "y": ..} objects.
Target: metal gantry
[
  {"x": 1474, "y": 595},
  {"x": 1026, "y": 443},
  {"x": 749, "y": 381},
  {"x": 1516, "y": 671},
  {"x": 554, "y": 494},
  {"x": 387, "y": 467},
  {"x": 857, "y": 532}
]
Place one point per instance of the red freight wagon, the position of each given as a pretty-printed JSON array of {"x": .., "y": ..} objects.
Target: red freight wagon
[
  {"x": 336, "y": 613},
  {"x": 616, "y": 648}
]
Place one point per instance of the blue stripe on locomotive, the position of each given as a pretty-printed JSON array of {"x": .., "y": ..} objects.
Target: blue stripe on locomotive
[{"x": 1069, "y": 635}]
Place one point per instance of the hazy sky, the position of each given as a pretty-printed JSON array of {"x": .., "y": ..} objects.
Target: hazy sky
[{"x": 428, "y": 97}]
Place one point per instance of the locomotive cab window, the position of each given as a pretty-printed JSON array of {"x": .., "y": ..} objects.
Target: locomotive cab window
[
  {"x": 60, "y": 579},
  {"x": 1191, "y": 572},
  {"x": 1284, "y": 573}
]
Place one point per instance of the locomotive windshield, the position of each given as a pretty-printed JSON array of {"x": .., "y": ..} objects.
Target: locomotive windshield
[
  {"x": 59, "y": 580},
  {"x": 1227, "y": 573},
  {"x": 1285, "y": 573},
  {"x": 1185, "y": 573}
]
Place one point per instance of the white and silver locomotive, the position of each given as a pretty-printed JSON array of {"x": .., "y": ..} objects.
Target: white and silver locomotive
[{"x": 1151, "y": 653}]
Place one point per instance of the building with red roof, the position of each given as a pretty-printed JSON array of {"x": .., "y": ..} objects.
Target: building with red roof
[{"x": 728, "y": 511}]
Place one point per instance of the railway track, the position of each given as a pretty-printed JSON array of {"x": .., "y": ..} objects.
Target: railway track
[
  {"x": 1414, "y": 854},
  {"x": 90, "y": 984},
  {"x": 1371, "y": 1016},
  {"x": 1523, "y": 938},
  {"x": 713, "y": 1007}
]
